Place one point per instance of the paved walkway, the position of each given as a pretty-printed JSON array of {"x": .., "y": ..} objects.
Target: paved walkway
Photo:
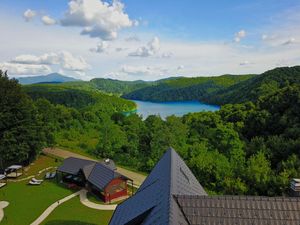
[
  {"x": 84, "y": 200},
  {"x": 47, "y": 212},
  {"x": 2, "y": 206},
  {"x": 137, "y": 178}
]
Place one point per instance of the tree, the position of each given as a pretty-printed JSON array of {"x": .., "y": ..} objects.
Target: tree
[{"x": 21, "y": 130}]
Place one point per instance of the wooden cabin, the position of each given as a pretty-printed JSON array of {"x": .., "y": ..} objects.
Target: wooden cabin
[{"x": 101, "y": 179}]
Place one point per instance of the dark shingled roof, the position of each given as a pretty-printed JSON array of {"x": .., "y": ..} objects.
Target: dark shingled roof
[
  {"x": 153, "y": 203},
  {"x": 245, "y": 210},
  {"x": 74, "y": 165},
  {"x": 98, "y": 174},
  {"x": 171, "y": 195},
  {"x": 101, "y": 175}
]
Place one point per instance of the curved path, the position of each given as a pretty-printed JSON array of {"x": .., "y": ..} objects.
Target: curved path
[
  {"x": 84, "y": 200},
  {"x": 2, "y": 206},
  {"x": 137, "y": 178},
  {"x": 47, "y": 212}
]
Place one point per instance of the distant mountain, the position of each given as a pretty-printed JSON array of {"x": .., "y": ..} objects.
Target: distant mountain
[{"x": 50, "y": 78}]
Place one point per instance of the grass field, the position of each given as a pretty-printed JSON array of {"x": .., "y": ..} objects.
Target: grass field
[{"x": 74, "y": 213}]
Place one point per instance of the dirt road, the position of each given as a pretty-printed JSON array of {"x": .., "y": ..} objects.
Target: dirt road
[{"x": 136, "y": 177}]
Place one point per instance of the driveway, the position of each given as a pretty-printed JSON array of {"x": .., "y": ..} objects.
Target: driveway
[{"x": 137, "y": 178}]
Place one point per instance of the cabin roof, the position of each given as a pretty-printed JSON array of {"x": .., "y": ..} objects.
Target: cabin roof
[
  {"x": 98, "y": 173},
  {"x": 172, "y": 195},
  {"x": 101, "y": 175},
  {"x": 73, "y": 165},
  {"x": 246, "y": 210},
  {"x": 153, "y": 202}
]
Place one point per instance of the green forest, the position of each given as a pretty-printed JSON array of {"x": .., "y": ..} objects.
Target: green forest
[{"x": 250, "y": 146}]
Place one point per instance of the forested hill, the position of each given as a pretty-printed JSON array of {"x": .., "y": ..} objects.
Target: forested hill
[
  {"x": 119, "y": 87},
  {"x": 79, "y": 97},
  {"x": 252, "y": 89},
  {"x": 183, "y": 88}
]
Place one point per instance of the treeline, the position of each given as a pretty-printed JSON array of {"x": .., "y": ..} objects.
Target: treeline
[{"x": 184, "y": 89}]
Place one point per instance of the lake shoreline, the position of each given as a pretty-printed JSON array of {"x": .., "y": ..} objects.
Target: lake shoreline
[{"x": 165, "y": 109}]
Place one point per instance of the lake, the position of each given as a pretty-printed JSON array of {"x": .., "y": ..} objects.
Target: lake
[{"x": 165, "y": 109}]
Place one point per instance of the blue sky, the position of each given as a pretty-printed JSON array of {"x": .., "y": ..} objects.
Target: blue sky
[{"x": 142, "y": 39}]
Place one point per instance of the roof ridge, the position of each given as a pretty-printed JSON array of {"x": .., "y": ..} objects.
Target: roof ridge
[{"x": 91, "y": 170}]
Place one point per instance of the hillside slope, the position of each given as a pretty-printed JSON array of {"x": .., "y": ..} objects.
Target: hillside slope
[
  {"x": 184, "y": 88},
  {"x": 251, "y": 90},
  {"x": 78, "y": 98}
]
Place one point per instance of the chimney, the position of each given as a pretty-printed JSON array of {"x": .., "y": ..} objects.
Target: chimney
[{"x": 295, "y": 187}]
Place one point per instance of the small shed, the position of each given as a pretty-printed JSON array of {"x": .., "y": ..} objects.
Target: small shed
[
  {"x": 3, "y": 180},
  {"x": 14, "y": 171}
]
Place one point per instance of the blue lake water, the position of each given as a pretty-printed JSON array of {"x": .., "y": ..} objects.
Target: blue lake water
[{"x": 165, "y": 109}]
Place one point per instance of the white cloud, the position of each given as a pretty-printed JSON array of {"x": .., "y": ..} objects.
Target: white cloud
[
  {"x": 289, "y": 41},
  {"x": 69, "y": 62},
  {"x": 151, "y": 49},
  {"x": 181, "y": 67},
  {"x": 133, "y": 38},
  {"x": 120, "y": 49},
  {"x": 167, "y": 55},
  {"x": 24, "y": 69},
  {"x": 47, "y": 20},
  {"x": 47, "y": 59},
  {"x": 239, "y": 35},
  {"x": 64, "y": 59},
  {"x": 143, "y": 70},
  {"x": 101, "y": 47},
  {"x": 29, "y": 15},
  {"x": 97, "y": 18},
  {"x": 245, "y": 63}
]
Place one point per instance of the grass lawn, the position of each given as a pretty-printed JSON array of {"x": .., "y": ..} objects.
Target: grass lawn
[
  {"x": 28, "y": 202},
  {"x": 73, "y": 212},
  {"x": 39, "y": 164}
]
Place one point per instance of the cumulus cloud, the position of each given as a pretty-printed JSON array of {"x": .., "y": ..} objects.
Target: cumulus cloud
[
  {"x": 167, "y": 55},
  {"x": 47, "y": 20},
  {"x": 101, "y": 47},
  {"x": 29, "y": 15},
  {"x": 245, "y": 63},
  {"x": 120, "y": 49},
  {"x": 143, "y": 70},
  {"x": 46, "y": 59},
  {"x": 133, "y": 38},
  {"x": 64, "y": 59},
  {"x": 289, "y": 41},
  {"x": 97, "y": 18},
  {"x": 24, "y": 69},
  {"x": 151, "y": 49},
  {"x": 181, "y": 67},
  {"x": 239, "y": 35}
]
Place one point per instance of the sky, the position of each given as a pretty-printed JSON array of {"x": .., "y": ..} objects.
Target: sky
[{"x": 147, "y": 40}]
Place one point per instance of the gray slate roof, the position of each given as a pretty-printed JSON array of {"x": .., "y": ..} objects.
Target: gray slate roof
[
  {"x": 101, "y": 175},
  {"x": 98, "y": 174},
  {"x": 231, "y": 210},
  {"x": 154, "y": 203},
  {"x": 74, "y": 165}
]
